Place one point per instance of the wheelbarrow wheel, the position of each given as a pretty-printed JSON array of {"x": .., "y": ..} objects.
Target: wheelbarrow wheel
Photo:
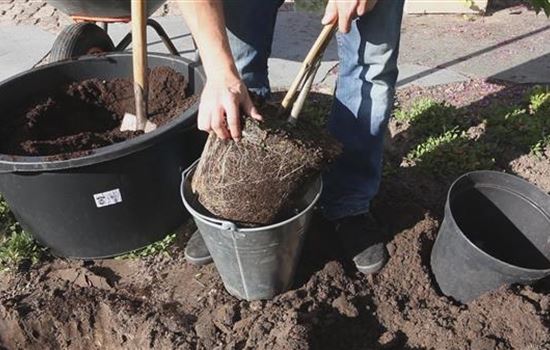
[{"x": 80, "y": 39}]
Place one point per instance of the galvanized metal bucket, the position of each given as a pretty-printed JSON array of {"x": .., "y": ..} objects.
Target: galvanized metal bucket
[{"x": 254, "y": 263}]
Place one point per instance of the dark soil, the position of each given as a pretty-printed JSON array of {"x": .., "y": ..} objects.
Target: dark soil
[
  {"x": 87, "y": 115},
  {"x": 162, "y": 302},
  {"x": 250, "y": 181}
]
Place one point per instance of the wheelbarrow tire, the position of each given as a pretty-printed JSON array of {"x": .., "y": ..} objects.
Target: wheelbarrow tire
[{"x": 80, "y": 39}]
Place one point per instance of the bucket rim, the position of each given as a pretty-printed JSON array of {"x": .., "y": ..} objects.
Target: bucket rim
[
  {"x": 34, "y": 164},
  {"x": 517, "y": 179},
  {"x": 227, "y": 225}
]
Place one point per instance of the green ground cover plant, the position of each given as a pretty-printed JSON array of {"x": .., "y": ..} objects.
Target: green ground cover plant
[
  {"x": 16, "y": 245},
  {"x": 159, "y": 247},
  {"x": 448, "y": 142}
]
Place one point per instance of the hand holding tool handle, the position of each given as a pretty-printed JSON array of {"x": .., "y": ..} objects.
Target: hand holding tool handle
[{"x": 309, "y": 63}]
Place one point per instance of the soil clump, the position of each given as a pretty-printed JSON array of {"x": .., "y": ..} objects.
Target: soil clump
[{"x": 250, "y": 180}]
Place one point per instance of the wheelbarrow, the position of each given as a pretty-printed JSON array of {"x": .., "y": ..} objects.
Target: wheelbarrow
[{"x": 85, "y": 37}]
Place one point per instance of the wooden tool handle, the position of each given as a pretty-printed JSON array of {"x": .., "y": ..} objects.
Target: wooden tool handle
[
  {"x": 309, "y": 62},
  {"x": 300, "y": 101},
  {"x": 139, "y": 51}
]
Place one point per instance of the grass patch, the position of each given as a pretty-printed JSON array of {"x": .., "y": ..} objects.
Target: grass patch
[
  {"x": 539, "y": 148},
  {"x": 16, "y": 245},
  {"x": 16, "y": 248},
  {"x": 7, "y": 220},
  {"x": 443, "y": 140},
  {"x": 421, "y": 109},
  {"x": 525, "y": 128},
  {"x": 317, "y": 109},
  {"x": 433, "y": 143},
  {"x": 539, "y": 100},
  {"x": 427, "y": 117},
  {"x": 450, "y": 154},
  {"x": 156, "y": 248}
]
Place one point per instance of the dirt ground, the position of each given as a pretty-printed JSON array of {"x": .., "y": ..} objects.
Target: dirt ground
[{"x": 160, "y": 302}]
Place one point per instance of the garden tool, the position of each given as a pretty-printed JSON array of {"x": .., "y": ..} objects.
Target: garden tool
[
  {"x": 301, "y": 85},
  {"x": 139, "y": 121}
]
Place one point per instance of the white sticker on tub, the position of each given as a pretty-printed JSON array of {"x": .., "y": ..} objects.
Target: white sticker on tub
[{"x": 108, "y": 198}]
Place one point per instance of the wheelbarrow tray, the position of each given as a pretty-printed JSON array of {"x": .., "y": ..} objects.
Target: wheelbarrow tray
[{"x": 101, "y": 9}]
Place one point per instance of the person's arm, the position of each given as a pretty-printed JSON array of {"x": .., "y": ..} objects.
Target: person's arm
[
  {"x": 224, "y": 95},
  {"x": 345, "y": 11}
]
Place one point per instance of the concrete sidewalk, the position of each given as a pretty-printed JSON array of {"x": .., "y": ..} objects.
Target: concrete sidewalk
[
  {"x": 22, "y": 47},
  {"x": 435, "y": 49}
]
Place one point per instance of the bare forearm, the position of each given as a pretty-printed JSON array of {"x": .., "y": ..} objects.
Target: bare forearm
[
  {"x": 224, "y": 96},
  {"x": 206, "y": 22}
]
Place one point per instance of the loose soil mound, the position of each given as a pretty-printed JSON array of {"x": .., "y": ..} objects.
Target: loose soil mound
[
  {"x": 250, "y": 181},
  {"x": 164, "y": 303},
  {"x": 87, "y": 115}
]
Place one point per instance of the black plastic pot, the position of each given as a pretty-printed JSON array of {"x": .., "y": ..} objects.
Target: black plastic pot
[
  {"x": 496, "y": 232},
  {"x": 118, "y": 198}
]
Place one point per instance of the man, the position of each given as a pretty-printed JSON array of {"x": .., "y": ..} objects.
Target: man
[{"x": 368, "y": 48}]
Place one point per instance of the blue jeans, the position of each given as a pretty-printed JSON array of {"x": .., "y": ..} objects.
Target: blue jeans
[{"x": 364, "y": 93}]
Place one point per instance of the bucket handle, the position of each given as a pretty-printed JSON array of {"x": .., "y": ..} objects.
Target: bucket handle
[
  {"x": 190, "y": 168},
  {"x": 224, "y": 225}
]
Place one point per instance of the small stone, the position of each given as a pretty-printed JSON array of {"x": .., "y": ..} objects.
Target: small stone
[
  {"x": 484, "y": 344},
  {"x": 256, "y": 305},
  {"x": 345, "y": 307},
  {"x": 205, "y": 329},
  {"x": 45, "y": 11},
  {"x": 244, "y": 323},
  {"x": 48, "y": 23},
  {"x": 545, "y": 303},
  {"x": 226, "y": 314},
  {"x": 387, "y": 339}
]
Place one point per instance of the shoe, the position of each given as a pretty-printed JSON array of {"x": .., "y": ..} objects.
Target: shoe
[
  {"x": 196, "y": 252},
  {"x": 363, "y": 241}
]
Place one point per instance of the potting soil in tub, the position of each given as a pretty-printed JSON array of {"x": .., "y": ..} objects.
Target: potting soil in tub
[{"x": 83, "y": 116}]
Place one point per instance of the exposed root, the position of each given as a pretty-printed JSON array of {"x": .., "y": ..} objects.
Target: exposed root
[{"x": 250, "y": 181}]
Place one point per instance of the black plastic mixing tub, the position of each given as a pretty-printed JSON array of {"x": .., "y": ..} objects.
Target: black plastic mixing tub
[
  {"x": 118, "y": 198},
  {"x": 496, "y": 232}
]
